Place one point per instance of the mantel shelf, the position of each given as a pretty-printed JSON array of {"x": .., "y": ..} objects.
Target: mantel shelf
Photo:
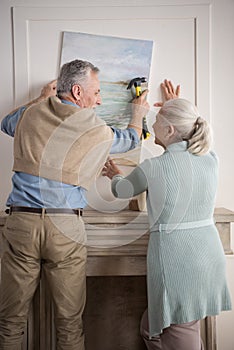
[{"x": 124, "y": 235}]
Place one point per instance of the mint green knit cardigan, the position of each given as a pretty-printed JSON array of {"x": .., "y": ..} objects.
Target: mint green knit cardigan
[{"x": 185, "y": 261}]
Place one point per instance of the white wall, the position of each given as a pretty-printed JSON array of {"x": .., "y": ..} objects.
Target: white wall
[{"x": 221, "y": 97}]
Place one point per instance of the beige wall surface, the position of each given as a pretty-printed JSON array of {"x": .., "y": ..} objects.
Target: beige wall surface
[{"x": 213, "y": 83}]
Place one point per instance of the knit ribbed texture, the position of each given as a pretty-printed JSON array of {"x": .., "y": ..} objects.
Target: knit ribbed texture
[{"x": 185, "y": 268}]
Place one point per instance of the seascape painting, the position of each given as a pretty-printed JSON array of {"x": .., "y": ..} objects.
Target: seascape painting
[{"x": 119, "y": 60}]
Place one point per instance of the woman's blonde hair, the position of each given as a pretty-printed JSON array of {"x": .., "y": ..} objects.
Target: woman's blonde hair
[{"x": 184, "y": 116}]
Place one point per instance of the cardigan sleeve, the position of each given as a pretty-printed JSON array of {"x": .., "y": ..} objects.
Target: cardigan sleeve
[{"x": 131, "y": 185}]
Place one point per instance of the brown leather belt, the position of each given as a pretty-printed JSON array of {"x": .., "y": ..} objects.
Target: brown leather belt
[{"x": 78, "y": 212}]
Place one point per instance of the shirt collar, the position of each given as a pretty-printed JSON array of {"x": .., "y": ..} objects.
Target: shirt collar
[
  {"x": 66, "y": 102},
  {"x": 178, "y": 146}
]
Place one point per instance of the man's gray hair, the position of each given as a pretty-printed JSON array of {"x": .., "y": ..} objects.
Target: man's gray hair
[{"x": 71, "y": 73}]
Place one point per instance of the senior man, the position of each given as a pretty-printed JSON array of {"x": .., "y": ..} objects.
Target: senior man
[{"x": 60, "y": 145}]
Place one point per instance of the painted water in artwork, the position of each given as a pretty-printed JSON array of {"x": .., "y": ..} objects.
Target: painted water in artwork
[
  {"x": 119, "y": 61},
  {"x": 114, "y": 109}
]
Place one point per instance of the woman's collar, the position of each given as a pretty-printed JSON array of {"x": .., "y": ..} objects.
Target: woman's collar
[{"x": 178, "y": 146}]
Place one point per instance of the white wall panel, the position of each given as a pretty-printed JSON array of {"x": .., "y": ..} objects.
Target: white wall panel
[{"x": 176, "y": 31}]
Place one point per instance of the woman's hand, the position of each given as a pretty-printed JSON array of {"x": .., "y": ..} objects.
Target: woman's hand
[
  {"x": 168, "y": 92},
  {"x": 110, "y": 169}
]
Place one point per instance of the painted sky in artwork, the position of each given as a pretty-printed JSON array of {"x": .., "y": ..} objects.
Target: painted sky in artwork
[{"x": 117, "y": 58}]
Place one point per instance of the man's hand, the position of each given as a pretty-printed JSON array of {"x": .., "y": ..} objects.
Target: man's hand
[
  {"x": 142, "y": 98},
  {"x": 168, "y": 92},
  {"x": 49, "y": 89},
  {"x": 140, "y": 108}
]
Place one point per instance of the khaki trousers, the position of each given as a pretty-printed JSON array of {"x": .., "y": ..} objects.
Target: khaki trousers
[
  {"x": 55, "y": 243},
  {"x": 184, "y": 336}
]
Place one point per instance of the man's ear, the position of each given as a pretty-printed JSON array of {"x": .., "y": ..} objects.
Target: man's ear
[{"x": 76, "y": 90}]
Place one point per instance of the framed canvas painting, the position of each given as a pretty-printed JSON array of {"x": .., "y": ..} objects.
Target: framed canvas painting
[{"x": 119, "y": 60}]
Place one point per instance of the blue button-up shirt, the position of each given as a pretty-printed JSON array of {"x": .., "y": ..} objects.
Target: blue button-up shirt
[{"x": 33, "y": 191}]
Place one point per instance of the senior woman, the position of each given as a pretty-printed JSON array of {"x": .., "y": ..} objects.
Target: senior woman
[{"x": 185, "y": 260}]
